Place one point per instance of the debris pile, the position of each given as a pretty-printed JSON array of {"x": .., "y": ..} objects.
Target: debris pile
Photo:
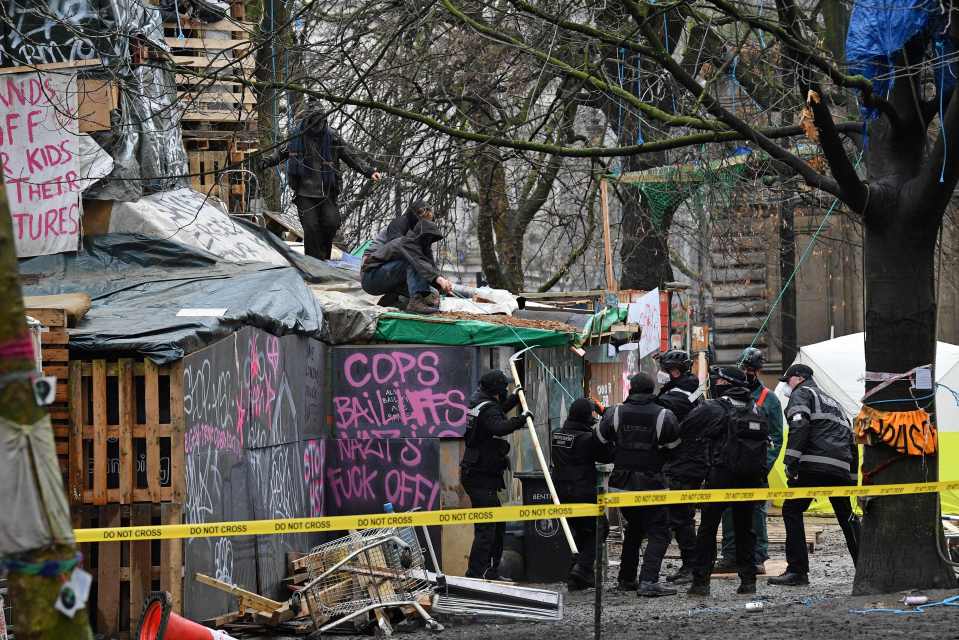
[
  {"x": 526, "y": 323},
  {"x": 377, "y": 580}
]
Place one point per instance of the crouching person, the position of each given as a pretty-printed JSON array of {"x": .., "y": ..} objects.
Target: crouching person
[{"x": 576, "y": 449}]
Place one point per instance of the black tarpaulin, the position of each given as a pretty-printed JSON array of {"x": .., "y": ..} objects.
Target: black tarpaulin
[{"x": 139, "y": 285}]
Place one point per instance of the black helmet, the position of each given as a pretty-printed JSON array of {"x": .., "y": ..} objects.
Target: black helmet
[
  {"x": 752, "y": 358},
  {"x": 494, "y": 382},
  {"x": 733, "y": 375},
  {"x": 675, "y": 359}
]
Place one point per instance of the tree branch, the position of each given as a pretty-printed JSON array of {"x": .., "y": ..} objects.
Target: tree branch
[
  {"x": 527, "y": 145},
  {"x": 854, "y": 192},
  {"x": 581, "y": 249},
  {"x": 648, "y": 109},
  {"x": 810, "y": 175}
]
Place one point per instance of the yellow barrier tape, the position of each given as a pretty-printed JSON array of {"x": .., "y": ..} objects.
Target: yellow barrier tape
[
  {"x": 337, "y": 523},
  {"x": 492, "y": 514},
  {"x": 647, "y": 498}
]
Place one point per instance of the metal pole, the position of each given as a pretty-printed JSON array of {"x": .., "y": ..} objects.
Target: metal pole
[{"x": 598, "y": 576}]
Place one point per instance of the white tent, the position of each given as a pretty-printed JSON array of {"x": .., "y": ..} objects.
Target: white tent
[{"x": 839, "y": 366}]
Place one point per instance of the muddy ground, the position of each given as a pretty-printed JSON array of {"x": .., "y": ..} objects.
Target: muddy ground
[
  {"x": 824, "y": 609},
  {"x": 820, "y": 610}
]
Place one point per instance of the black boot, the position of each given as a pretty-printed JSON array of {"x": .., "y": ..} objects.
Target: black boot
[
  {"x": 683, "y": 576},
  {"x": 654, "y": 590},
  {"x": 699, "y": 587},
  {"x": 789, "y": 579},
  {"x": 747, "y": 584}
]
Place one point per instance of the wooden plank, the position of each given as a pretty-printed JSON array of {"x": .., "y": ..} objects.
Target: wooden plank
[
  {"x": 245, "y": 597},
  {"x": 99, "y": 432},
  {"x": 48, "y": 317},
  {"x": 214, "y": 62},
  {"x": 208, "y": 44},
  {"x": 54, "y": 336},
  {"x": 216, "y": 116},
  {"x": 76, "y": 467},
  {"x": 177, "y": 434},
  {"x": 52, "y": 66},
  {"x": 152, "y": 386},
  {"x": 56, "y": 355},
  {"x": 141, "y": 564},
  {"x": 127, "y": 402},
  {"x": 607, "y": 246},
  {"x": 108, "y": 570},
  {"x": 220, "y": 25},
  {"x": 61, "y": 371},
  {"x": 206, "y": 97},
  {"x": 171, "y": 557}
]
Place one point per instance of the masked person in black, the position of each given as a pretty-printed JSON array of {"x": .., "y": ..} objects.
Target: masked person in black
[
  {"x": 642, "y": 433},
  {"x": 576, "y": 449},
  {"x": 738, "y": 438},
  {"x": 313, "y": 169},
  {"x": 686, "y": 470},
  {"x": 820, "y": 452},
  {"x": 483, "y": 464}
]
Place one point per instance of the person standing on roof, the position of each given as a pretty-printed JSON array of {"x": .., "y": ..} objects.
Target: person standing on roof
[
  {"x": 687, "y": 469},
  {"x": 484, "y": 461},
  {"x": 643, "y": 435},
  {"x": 820, "y": 452},
  {"x": 313, "y": 170},
  {"x": 576, "y": 449},
  {"x": 739, "y": 439},
  {"x": 751, "y": 362}
]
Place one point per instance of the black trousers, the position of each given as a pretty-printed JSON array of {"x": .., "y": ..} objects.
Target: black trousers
[
  {"x": 682, "y": 520},
  {"x": 704, "y": 556},
  {"x": 797, "y": 554},
  {"x": 584, "y": 533},
  {"x": 320, "y": 218},
  {"x": 487, "y": 550},
  {"x": 651, "y": 523}
]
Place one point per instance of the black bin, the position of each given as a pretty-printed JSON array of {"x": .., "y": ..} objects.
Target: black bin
[{"x": 545, "y": 551}]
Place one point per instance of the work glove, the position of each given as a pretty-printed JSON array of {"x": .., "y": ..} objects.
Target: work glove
[{"x": 527, "y": 414}]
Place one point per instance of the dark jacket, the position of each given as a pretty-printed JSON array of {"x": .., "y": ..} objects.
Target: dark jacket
[
  {"x": 710, "y": 421},
  {"x": 312, "y": 184},
  {"x": 575, "y": 451},
  {"x": 819, "y": 439},
  {"x": 643, "y": 435},
  {"x": 415, "y": 247},
  {"x": 487, "y": 454},
  {"x": 688, "y": 464}
]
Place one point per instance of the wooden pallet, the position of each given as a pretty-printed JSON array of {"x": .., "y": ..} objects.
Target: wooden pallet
[
  {"x": 126, "y": 432},
  {"x": 124, "y": 573},
  {"x": 55, "y": 353}
]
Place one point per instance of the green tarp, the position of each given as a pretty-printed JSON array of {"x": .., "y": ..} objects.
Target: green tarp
[
  {"x": 602, "y": 322},
  {"x": 407, "y": 328}
]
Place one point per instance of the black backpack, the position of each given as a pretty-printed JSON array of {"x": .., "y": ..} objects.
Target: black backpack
[{"x": 747, "y": 441}]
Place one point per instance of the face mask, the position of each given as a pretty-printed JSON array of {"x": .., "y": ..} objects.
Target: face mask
[
  {"x": 783, "y": 388},
  {"x": 662, "y": 377}
]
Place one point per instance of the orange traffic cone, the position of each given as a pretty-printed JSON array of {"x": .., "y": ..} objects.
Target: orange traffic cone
[{"x": 160, "y": 623}]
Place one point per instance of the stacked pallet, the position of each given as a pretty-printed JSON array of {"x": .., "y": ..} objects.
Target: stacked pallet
[
  {"x": 219, "y": 112},
  {"x": 127, "y": 469},
  {"x": 55, "y": 354}
]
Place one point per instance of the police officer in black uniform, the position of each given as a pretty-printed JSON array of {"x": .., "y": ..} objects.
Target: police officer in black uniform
[
  {"x": 483, "y": 464},
  {"x": 820, "y": 452},
  {"x": 724, "y": 421},
  {"x": 576, "y": 449},
  {"x": 687, "y": 469},
  {"x": 643, "y": 433}
]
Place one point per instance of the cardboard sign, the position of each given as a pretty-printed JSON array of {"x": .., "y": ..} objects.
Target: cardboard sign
[
  {"x": 646, "y": 314},
  {"x": 39, "y": 149}
]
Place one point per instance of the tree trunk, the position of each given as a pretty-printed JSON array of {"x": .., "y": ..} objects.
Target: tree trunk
[
  {"x": 900, "y": 534},
  {"x": 787, "y": 262},
  {"x": 493, "y": 211},
  {"x": 270, "y": 67},
  {"x": 644, "y": 244},
  {"x": 31, "y": 596}
]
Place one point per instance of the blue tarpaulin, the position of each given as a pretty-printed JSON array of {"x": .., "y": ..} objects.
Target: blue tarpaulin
[{"x": 879, "y": 29}]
